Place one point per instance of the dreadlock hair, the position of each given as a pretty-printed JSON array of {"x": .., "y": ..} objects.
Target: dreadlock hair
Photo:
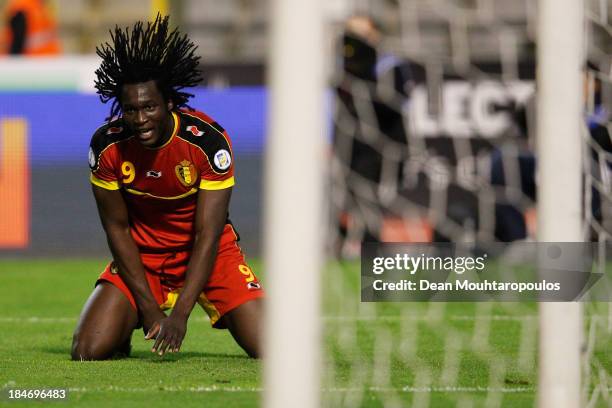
[{"x": 144, "y": 53}]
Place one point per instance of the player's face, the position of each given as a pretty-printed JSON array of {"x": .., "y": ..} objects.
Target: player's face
[{"x": 146, "y": 113}]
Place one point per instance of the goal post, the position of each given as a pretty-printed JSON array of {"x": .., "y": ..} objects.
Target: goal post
[
  {"x": 560, "y": 59},
  {"x": 445, "y": 156},
  {"x": 293, "y": 205}
]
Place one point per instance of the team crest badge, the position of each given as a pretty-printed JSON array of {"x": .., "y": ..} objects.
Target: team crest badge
[
  {"x": 194, "y": 130},
  {"x": 186, "y": 173}
]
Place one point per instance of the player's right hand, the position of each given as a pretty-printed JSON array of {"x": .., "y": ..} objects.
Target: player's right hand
[
  {"x": 150, "y": 323},
  {"x": 169, "y": 334}
]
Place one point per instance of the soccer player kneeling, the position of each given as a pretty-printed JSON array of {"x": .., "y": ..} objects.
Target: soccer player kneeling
[{"x": 162, "y": 175}]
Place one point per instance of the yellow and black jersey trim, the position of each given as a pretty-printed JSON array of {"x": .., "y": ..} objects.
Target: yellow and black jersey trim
[
  {"x": 216, "y": 184},
  {"x": 107, "y": 185},
  {"x": 211, "y": 140},
  {"x": 176, "y": 124},
  {"x": 177, "y": 197}
]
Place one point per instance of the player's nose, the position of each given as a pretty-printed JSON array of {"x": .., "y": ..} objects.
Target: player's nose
[{"x": 140, "y": 117}]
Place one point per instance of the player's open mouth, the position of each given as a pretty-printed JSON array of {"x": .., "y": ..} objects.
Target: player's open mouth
[{"x": 145, "y": 134}]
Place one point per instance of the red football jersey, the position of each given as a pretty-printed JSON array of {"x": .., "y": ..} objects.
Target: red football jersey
[{"x": 160, "y": 184}]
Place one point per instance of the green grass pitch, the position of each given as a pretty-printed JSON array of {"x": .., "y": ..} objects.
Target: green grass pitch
[{"x": 41, "y": 300}]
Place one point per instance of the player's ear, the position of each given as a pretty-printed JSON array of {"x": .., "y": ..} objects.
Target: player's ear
[{"x": 170, "y": 104}]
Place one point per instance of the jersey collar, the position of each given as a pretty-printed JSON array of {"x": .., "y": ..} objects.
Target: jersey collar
[{"x": 175, "y": 121}]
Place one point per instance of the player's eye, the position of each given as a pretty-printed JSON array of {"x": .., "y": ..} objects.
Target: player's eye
[
  {"x": 128, "y": 110},
  {"x": 150, "y": 108}
]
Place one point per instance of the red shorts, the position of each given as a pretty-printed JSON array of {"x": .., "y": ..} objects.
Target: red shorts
[{"x": 230, "y": 284}]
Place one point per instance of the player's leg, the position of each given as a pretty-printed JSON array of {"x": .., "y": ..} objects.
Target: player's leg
[
  {"x": 105, "y": 326},
  {"x": 233, "y": 295},
  {"x": 244, "y": 323}
]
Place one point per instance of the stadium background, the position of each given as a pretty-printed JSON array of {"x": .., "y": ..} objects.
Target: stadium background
[
  {"x": 48, "y": 111},
  {"x": 50, "y": 210},
  {"x": 55, "y": 100}
]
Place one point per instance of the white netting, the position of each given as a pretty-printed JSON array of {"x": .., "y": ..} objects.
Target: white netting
[
  {"x": 597, "y": 371},
  {"x": 433, "y": 141}
]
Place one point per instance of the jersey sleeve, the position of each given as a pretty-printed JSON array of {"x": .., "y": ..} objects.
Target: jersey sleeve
[
  {"x": 216, "y": 164},
  {"x": 102, "y": 162},
  {"x": 218, "y": 170}
]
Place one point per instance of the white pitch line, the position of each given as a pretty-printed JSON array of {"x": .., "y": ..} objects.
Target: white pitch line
[
  {"x": 423, "y": 317},
  {"x": 436, "y": 389},
  {"x": 34, "y": 319},
  {"x": 210, "y": 388},
  {"x": 215, "y": 388}
]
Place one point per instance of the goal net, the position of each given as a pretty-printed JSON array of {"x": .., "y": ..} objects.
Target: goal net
[{"x": 434, "y": 120}]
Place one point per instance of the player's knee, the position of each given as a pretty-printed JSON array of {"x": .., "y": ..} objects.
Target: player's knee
[
  {"x": 84, "y": 349},
  {"x": 87, "y": 353},
  {"x": 251, "y": 347},
  {"x": 245, "y": 325},
  {"x": 253, "y": 353}
]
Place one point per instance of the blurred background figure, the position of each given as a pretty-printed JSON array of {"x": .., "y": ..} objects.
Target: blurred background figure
[
  {"x": 359, "y": 42},
  {"x": 511, "y": 218},
  {"x": 510, "y": 221},
  {"x": 31, "y": 29},
  {"x": 364, "y": 58},
  {"x": 597, "y": 116},
  {"x": 371, "y": 90}
]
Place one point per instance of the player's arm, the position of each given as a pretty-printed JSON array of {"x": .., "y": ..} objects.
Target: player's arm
[
  {"x": 114, "y": 217},
  {"x": 212, "y": 206}
]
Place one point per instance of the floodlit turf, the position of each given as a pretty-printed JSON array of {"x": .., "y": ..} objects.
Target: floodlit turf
[
  {"x": 41, "y": 301},
  {"x": 435, "y": 354},
  {"x": 367, "y": 364}
]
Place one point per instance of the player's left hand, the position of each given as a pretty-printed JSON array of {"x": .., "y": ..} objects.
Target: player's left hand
[{"x": 168, "y": 334}]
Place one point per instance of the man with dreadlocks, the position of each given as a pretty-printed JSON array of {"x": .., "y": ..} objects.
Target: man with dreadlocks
[{"x": 162, "y": 176}]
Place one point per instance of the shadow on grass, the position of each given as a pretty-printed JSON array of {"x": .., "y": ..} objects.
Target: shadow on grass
[
  {"x": 184, "y": 355},
  {"x": 151, "y": 357}
]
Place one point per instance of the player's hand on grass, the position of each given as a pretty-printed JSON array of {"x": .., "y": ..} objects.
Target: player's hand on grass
[
  {"x": 150, "y": 318},
  {"x": 168, "y": 334}
]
